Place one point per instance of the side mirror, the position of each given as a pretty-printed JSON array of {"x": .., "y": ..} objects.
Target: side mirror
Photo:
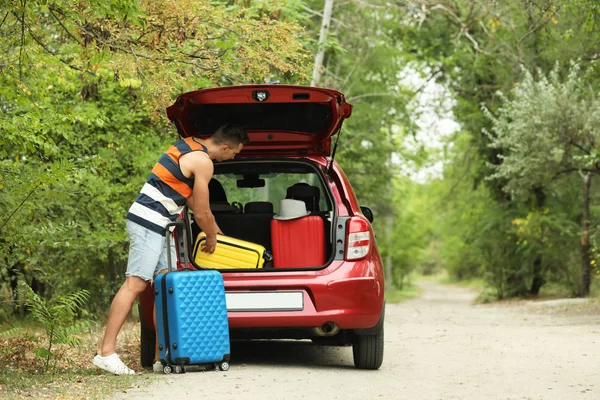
[{"x": 367, "y": 213}]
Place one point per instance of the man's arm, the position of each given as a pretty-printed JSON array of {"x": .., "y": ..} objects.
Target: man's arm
[
  {"x": 190, "y": 204},
  {"x": 202, "y": 169}
]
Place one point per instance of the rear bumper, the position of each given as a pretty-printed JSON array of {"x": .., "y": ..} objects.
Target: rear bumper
[
  {"x": 350, "y": 302},
  {"x": 340, "y": 293}
]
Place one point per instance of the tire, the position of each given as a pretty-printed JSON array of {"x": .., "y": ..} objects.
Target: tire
[
  {"x": 147, "y": 346},
  {"x": 368, "y": 351}
]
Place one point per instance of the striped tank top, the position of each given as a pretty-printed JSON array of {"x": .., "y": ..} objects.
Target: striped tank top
[{"x": 166, "y": 191}]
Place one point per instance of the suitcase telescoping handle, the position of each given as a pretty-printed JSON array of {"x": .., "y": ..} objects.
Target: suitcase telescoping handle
[{"x": 181, "y": 231}]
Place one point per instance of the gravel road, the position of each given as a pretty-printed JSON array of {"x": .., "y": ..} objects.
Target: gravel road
[{"x": 440, "y": 346}]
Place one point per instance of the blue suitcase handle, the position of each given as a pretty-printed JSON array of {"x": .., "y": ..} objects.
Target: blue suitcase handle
[{"x": 180, "y": 227}]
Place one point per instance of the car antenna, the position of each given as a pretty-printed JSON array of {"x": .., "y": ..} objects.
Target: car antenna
[{"x": 329, "y": 169}]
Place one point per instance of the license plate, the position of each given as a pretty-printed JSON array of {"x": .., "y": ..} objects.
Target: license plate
[{"x": 262, "y": 301}]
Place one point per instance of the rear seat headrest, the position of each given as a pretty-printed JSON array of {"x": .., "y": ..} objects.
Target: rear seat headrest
[
  {"x": 216, "y": 192},
  {"x": 258, "y": 207},
  {"x": 305, "y": 192}
]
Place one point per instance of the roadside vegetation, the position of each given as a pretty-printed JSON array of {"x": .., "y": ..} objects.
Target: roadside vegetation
[{"x": 24, "y": 373}]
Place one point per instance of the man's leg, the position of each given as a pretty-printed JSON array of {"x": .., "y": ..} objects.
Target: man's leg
[
  {"x": 145, "y": 248},
  {"x": 121, "y": 307},
  {"x": 107, "y": 359}
]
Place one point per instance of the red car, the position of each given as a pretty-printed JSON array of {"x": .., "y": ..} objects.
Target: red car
[{"x": 340, "y": 301}]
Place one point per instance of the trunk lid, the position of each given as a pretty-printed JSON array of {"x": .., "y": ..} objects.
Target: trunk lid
[{"x": 279, "y": 119}]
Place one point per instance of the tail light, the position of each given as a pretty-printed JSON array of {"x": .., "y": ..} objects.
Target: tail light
[{"x": 358, "y": 238}]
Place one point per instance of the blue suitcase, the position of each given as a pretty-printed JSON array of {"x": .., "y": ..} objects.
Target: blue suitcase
[{"x": 191, "y": 318}]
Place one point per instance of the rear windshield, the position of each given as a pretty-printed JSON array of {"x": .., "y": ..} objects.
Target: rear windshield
[{"x": 272, "y": 187}]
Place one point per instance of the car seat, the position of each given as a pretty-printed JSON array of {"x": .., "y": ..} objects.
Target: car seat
[{"x": 310, "y": 195}]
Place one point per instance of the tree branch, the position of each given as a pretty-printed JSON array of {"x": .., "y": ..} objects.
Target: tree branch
[
  {"x": 580, "y": 147},
  {"x": 52, "y": 53},
  {"x": 4, "y": 19},
  {"x": 386, "y": 94},
  {"x": 320, "y": 15},
  {"x": 538, "y": 24},
  {"x": 364, "y": 95},
  {"x": 20, "y": 205},
  {"x": 23, "y": 4},
  {"x": 124, "y": 50},
  {"x": 570, "y": 170},
  {"x": 51, "y": 9}
]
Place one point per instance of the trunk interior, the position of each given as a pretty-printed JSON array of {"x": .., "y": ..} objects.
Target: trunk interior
[{"x": 245, "y": 198}]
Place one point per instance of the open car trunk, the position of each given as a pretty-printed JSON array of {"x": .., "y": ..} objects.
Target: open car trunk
[
  {"x": 279, "y": 119},
  {"x": 245, "y": 198}
]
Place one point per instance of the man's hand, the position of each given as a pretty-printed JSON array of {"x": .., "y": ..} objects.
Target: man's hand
[
  {"x": 210, "y": 244},
  {"x": 218, "y": 229}
]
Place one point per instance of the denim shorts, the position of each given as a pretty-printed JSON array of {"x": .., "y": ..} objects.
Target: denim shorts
[{"x": 147, "y": 252}]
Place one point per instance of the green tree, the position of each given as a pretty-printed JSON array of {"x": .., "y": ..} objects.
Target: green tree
[
  {"x": 548, "y": 128},
  {"x": 479, "y": 48},
  {"x": 83, "y": 87}
]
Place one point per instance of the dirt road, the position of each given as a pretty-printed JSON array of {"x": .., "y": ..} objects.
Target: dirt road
[{"x": 439, "y": 346}]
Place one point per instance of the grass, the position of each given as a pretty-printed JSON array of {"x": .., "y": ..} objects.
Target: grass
[
  {"x": 76, "y": 384},
  {"x": 409, "y": 292},
  {"x": 22, "y": 375},
  {"x": 442, "y": 277}
]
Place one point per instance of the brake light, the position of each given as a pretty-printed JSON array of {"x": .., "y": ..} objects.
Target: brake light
[{"x": 358, "y": 238}]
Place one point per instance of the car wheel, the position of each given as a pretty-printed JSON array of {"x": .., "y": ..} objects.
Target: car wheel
[
  {"x": 368, "y": 351},
  {"x": 147, "y": 346}
]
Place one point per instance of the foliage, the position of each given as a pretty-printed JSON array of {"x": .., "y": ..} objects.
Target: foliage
[
  {"x": 363, "y": 61},
  {"x": 57, "y": 316},
  {"x": 83, "y": 87},
  {"x": 481, "y": 49},
  {"x": 163, "y": 46},
  {"x": 548, "y": 127},
  {"x": 411, "y": 235}
]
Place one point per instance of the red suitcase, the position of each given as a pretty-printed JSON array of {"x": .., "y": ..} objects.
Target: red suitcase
[{"x": 298, "y": 243}]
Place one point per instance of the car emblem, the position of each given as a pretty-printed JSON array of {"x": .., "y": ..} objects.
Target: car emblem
[{"x": 260, "y": 95}]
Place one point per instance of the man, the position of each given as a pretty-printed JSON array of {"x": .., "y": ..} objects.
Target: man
[{"x": 181, "y": 176}]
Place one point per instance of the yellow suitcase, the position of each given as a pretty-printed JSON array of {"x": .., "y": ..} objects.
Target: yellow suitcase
[{"x": 230, "y": 253}]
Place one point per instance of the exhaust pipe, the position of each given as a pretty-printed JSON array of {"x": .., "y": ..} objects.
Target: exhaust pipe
[{"x": 327, "y": 329}]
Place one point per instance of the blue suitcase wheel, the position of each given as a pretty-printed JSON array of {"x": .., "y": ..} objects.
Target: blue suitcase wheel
[
  {"x": 179, "y": 369},
  {"x": 167, "y": 369},
  {"x": 224, "y": 366}
]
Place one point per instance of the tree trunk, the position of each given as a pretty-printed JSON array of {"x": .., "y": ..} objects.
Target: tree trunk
[
  {"x": 538, "y": 272},
  {"x": 322, "y": 38},
  {"x": 584, "y": 289},
  {"x": 538, "y": 277}
]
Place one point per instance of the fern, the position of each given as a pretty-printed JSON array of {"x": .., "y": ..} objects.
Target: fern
[
  {"x": 11, "y": 331},
  {"x": 57, "y": 316}
]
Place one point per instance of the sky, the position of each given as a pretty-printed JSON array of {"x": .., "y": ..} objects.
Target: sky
[{"x": 433, "y": 112}]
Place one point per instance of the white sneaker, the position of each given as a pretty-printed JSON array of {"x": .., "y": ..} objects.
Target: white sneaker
[
  {"x": 112, "y": 364},
  {"x": 158, "y": 368}
]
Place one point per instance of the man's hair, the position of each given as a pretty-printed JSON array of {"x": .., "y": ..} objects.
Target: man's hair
[{"x": 231, "y": 134}]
